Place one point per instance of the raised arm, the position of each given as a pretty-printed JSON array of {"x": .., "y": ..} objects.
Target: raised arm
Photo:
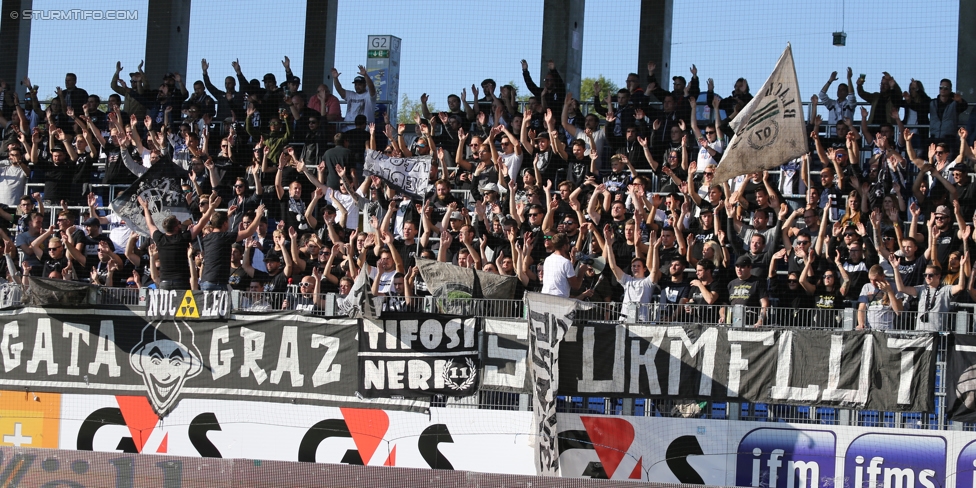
[
  {"x": 197, "y": 228},
  {"x": 338, "y": 86}
]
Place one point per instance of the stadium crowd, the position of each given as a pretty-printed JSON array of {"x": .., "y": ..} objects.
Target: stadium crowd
[{"x": 618, "y": 204}]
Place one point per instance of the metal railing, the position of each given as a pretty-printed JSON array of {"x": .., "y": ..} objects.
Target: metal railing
[{"x": 960, "y": 320}]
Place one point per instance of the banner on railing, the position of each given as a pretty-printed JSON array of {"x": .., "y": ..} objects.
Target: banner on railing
[
  {"x": 504, "y": 356},
  {"x": 961, "y": 378},
  {"x": 856, "y": 369},
  {"x": 163, "y": 304},
  {"x": 277, "y": 358},
  {"x": 418, "y": 355},
  {"x": 550, "y": 318}
]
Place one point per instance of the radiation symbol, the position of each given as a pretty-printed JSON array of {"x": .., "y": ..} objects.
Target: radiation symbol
[{"x": 188, "y": 307}]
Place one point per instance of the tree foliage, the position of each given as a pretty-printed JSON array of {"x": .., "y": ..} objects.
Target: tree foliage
[
  {"x": 586, "y": 88},
  {"x": 408, "y": 108}
]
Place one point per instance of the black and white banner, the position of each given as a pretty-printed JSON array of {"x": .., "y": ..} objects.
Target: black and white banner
[
  {"x": 504, "y": 356},
  {"x": 276, "y": 358},
  {"x": 549, "y": 319},
  {"x": 410, "y": 176},
  {"x": 161, "y": 187},
  {"x": 187, "y": 304},
  {"x": 856, "y": 369},
  {"x": 411, "y": 355},
  {"x": 961, "y": 378}
]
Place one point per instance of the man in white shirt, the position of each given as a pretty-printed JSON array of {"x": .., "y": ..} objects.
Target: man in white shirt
[
  {"x": 559, "y": 276},
  {"x": 845, "y": 104},
  {"x": 13, "y": 176},
  {"x": 362, "y": 101},
  {"x": 934, "y": 299}
]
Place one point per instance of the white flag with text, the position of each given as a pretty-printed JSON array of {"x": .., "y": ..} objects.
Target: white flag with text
[{"x": 769, "y": 130}]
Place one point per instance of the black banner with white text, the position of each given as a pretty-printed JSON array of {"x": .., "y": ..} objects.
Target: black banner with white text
[
  {"x": 419, "y": 355},
  {"x": 274, "y": 357},
  {"x": 857, "y": 369}
]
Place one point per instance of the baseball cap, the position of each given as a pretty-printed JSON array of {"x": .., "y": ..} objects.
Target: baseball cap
[
  {"x": 489, "y": 187},
  {"x": 269, "y": 76},
  {"x": 942, "y": 210},
  {"x": 456, "y": 215},
  {"x": 92, "y": 221},
  {"x": 272, "y": 256},
  {"x": 743, "y": 261},
  {"x": 358, "y": 79}
]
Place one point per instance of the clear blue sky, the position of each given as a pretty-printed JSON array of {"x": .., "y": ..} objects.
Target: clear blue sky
[{"x": 448, "y": 45}]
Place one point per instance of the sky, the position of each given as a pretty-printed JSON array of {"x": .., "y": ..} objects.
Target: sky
[{"x": 448, "y": 45}]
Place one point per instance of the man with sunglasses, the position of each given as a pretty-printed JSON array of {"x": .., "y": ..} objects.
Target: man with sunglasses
[
  {"x": 934, "y": 300},
  {"x": 965, "y": 189},
  {"x": 749, "y": 291},
  {"x": 14, "y": 171},
  {"x": 946, "y": 238},
  {"x": 944, "y": 113}
]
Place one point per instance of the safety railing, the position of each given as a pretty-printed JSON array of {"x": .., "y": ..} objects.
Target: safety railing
[{"x": 960, "y": 320}]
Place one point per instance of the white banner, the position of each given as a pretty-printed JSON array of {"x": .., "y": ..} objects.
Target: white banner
[
  {"x": 769, "y": 130},
  {"x": 410, "y": 176}
]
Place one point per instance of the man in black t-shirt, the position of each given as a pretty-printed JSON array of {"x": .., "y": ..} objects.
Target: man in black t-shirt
[
  {"x": 749, "y": 291},
  {"x": 277, "y": 261},
  {"x": 217, "y": 248},
  {"x": 291, "y": 203},
  {"x": 91, "y": 241},
  {"x": 174, "y": 270}
]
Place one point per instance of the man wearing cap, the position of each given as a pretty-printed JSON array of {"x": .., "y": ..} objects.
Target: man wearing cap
[
  {"x": 217, "y": 249},
  {"x": 137, "y": 83},
  {"x": 91, "y": 241},
  {"x": 362, "y": 101},
  {"x": 965, "y": 189},
  {"x": 749, "y": 291},
  {"x": 278, "y": 264},
  {"x": 946, "y": 238},
  {"x": 269, "y": 97}
]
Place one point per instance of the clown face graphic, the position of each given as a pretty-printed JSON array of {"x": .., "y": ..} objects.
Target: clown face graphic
[{"x": 165, "y": 358}]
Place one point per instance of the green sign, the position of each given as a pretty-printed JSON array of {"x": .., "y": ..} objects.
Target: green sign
[{"x": 378, "y": 53}]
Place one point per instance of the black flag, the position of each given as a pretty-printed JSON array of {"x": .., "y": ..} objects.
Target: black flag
[{"x": 161, "y": 187}]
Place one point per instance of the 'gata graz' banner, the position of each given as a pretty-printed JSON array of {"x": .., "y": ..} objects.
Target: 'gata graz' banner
[
  {"x": 277, "y": 358},
  {"x": 862, "y": 369},
  {"x": 419, "y": 355}
]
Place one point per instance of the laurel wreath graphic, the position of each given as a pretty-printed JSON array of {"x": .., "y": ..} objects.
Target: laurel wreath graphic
[{"x": 464, "y": 385}]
